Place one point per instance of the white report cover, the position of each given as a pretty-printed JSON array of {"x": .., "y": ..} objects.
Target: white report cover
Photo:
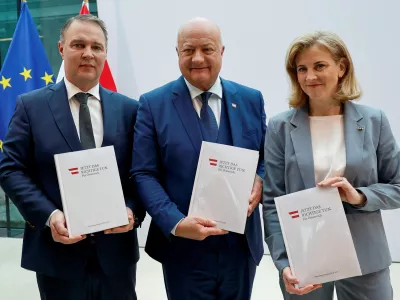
[
  {"x": 91, "y": 190},
  {"x": 317, "y": 237},
  {"x": 223, "y": 184}
]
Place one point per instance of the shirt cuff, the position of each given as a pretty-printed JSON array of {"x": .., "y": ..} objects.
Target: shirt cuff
[
  {"x": 48, "y": 220},
  {"x": 174, "y": 229}
]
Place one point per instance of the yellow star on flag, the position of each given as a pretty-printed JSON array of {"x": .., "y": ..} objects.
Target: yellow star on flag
[
  {"x": 1, "y": 146},
  {"x": 47, "y": 78},
  {"x": 26, "y": 73},
  {"x": 5, "y": 82}
]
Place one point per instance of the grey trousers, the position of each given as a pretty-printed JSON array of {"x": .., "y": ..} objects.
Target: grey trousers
[{"x": 374, "y": 286}]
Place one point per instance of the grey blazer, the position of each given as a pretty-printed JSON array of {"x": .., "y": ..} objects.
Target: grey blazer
[{"x": 372, "y": 166}]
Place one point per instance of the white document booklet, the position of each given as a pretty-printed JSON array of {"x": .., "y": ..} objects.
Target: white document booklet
[
  {"x": 91, "y": 190},
  {"x": 223, "y": 184},
  {"x": 317, "y": 237}
]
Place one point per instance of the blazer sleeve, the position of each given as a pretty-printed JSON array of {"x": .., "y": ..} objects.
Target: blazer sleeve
[
  {"x": 146, "y": 172},
  {"x": 16, "y": 167},
  {"x": 131, "y": 198},
  {"x": 386, "y": 193},
  {"x": 274, "y": 186},
  {"x": 131, "y": 201},
  {"x": 260, "y": 166}
]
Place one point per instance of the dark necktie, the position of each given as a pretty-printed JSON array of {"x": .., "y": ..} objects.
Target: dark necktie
[
  {"x": 207, "y": 118},
  {"x": 85, "y": 123}
]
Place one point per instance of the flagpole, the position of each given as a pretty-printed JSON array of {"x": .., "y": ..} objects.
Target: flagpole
[{"x": 19, "y": 7}]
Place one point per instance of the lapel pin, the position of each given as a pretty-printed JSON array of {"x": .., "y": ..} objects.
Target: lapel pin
[
  {"x": 360, "y": 128},
  {"x": 234, "y": 105}
]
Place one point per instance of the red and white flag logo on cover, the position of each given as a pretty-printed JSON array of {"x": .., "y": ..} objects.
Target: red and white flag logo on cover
[
  {"x": 73, "y": 171},
  {"x": 213, "y": 162},
  {"x": 294, "y": 214}
]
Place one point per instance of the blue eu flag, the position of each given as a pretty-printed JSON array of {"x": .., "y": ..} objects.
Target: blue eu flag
[{"x": 25, "y": 68}]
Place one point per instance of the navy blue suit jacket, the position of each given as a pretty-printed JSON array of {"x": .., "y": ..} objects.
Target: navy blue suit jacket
[
  {"x": 42, "y": 126},
  {"x": 168, "y": 141}
]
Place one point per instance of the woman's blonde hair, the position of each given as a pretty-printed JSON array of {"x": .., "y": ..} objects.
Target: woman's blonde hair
[{"x": 348, "y": 86}]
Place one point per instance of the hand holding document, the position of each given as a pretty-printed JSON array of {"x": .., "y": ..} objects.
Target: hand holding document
[
  {"x": 91, "y": 190},
  {"x": 223, "y": 183},
  {"x": 59, "y": 231},
  {"x": 317, "y": 237},
  {"x": 197, "y": 228}
]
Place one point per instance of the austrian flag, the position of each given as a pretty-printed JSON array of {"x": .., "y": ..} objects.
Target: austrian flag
[
  {"x": 213, "y": 162},
  {"x": 294, "y": 214},
  {"x": 73, "y": 171}
]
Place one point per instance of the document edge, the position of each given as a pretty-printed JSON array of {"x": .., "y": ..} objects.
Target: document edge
[
  {"x": 61, "y": 187},
  {"x": 196, "y": 178},
  {"x": 288, "y": 251}
]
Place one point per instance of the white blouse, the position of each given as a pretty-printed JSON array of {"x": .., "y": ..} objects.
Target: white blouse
[{"x": 328, "y": 146}]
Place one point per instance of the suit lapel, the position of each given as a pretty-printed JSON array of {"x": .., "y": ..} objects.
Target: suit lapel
[
  {"x": 234, "y": 103},
  {"x": 354, "y": 131},
  {"x": 301, "y": 139},
  {"x": 59, "y": 106},
  {"x": 110, "y": 119},
  {"x": 184, "y": 105}
]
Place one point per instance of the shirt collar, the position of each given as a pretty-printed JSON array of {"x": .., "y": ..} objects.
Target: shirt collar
[
  {"x": 72, "y": 90},
  {"x": 216, "y": 89}
]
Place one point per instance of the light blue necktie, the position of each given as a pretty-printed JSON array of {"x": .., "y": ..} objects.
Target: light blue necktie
[{"x": 207, "y": 118}]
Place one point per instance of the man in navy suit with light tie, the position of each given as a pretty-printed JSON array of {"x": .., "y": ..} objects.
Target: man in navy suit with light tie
[
  {"x": 199, "y": 261},
  {"x": 73, "y": 115}
]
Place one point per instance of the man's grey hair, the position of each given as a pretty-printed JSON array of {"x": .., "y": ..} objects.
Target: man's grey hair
[{"x": 84, "y": 18}]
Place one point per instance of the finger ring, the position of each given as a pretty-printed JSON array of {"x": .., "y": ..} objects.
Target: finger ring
[{"x": 341, "y": 178}]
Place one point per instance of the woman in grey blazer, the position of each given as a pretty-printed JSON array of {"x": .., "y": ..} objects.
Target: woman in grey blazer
[{"x": 327, "y": 140}]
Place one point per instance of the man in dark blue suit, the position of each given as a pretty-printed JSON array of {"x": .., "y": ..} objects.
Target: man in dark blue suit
[
  {"x": 199, "y": 261},
  {"x": 73, "y": 115}
]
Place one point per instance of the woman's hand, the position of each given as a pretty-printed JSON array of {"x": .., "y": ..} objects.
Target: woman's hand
[
  {"x": 290, "y": 284},
  {"x": 347, "y": 192}
]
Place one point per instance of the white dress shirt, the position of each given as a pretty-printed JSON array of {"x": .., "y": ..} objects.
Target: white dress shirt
[
  {"x": 328, "y": 146},
  {"x": 214, "y": 101},
  {"x": 96, "y": 114},
  {"x": 94, "y": 104}
]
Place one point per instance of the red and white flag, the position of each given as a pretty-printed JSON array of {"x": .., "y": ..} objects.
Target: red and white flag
[
  {"x": 106, "y": 78},
  {"x": 213, "y": 162},
  {"x": 73, "y": 171},
  {"x": 294, "y": 214}
]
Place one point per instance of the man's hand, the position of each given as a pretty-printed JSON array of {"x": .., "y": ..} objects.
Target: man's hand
[
  {"x": 256, "y": 194},
  {"x": 126, "y": 228},
  {"x": 59, "y": 230},
  {"x": 196, "y": 228},
  {"x": 290, "y": 281}
]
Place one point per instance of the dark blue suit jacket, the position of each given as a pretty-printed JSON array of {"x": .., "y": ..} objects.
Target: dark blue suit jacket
[
  {"x": 41, "y": 127},
  {"x": 165, "y": 156}
]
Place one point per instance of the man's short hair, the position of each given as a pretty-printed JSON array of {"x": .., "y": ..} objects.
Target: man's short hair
[{"x": 84, "y": 18}]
